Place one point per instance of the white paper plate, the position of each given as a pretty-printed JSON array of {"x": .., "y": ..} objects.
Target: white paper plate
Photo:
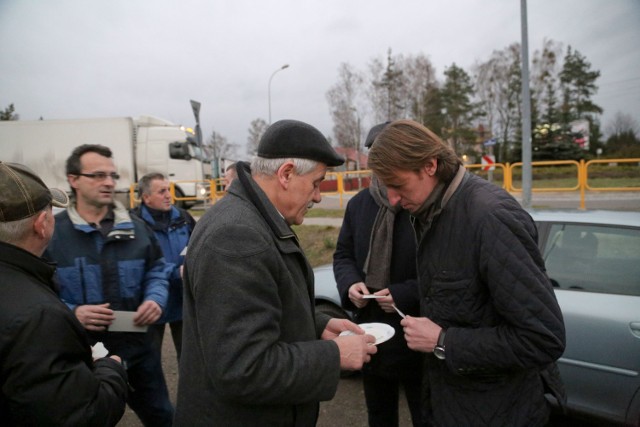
[{"x": 381, "y": 331}]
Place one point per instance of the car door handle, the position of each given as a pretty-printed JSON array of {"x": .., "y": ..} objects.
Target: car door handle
[{"x": 635, "y": 328}]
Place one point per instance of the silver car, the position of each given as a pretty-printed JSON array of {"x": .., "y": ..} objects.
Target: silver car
[{"x": 593, "y": 260}]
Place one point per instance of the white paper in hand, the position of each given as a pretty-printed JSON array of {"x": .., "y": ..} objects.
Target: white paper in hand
[{"x": 98, "y": 351}]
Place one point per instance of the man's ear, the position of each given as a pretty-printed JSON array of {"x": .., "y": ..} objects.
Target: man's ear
[
  {"x": 72, "y": 179},
  {"x": 40, "y": 224},
  {"x": 285, "y": 172},
  {"x": 431, "y": 167}
]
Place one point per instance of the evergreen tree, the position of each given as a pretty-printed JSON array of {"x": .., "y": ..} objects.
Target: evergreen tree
[
  {"x": 432, "y": 115},
  {"x": 456, "y": 96},
  {"x": 9, "y": 113},
  {"x": 389, "y": 90},
  {"x": 578, "y": 84}
]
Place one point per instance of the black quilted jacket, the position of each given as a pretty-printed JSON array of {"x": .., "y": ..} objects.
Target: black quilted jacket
[{"x": 483, "y": 279}]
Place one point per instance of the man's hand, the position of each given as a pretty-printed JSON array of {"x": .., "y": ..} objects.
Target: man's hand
[
  {"x": 355, "y": 294},
  {"x": 386, "y": 303},
  {"x": 355, "y": 351},
  {"x": 421, "y": 333},
  {"x": 147, "y": 313},
  {"x": 95, "y": 317},
  {"x": 335, "y": 326}
]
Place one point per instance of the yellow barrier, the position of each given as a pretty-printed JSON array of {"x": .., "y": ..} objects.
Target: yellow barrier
[{"x": 350, "y": 182}]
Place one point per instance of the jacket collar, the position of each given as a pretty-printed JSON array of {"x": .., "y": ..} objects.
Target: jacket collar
[
  {"x": 122, "y": 224},
  {"x": 27, "y": 262}
]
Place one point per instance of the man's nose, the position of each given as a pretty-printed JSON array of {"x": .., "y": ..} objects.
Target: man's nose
[
  {"x": 393, "y": 196},
  {"x": 317, "y": 196}
]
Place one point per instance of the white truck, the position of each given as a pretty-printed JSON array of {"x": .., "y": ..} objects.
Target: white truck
[{"x": 140, "y": 145}]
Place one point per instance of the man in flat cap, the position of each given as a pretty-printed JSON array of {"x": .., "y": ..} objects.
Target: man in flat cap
[
  {"x": 49, "y": 376},
  {"x": 254, "y": 350}
]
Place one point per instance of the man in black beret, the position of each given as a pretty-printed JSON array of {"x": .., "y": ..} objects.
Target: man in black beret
[{"x": 254, "y": 352}]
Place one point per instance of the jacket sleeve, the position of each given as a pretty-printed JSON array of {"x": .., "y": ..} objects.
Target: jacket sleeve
[
  {"x": 156, "y": 277},
  {"x": 51, "y": 380},
  {"x": 531, "y": 331},
  {"x": 345, "y": 268}
]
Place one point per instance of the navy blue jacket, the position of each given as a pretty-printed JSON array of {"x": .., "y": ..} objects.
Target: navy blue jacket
[
  {"x": 394, "y": 357},
  {"x": 124, "y": 269},
  {"x": 173, "y": 238}
]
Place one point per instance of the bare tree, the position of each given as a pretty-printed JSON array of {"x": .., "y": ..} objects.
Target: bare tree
[
  {"x": 623, "y": 123},
  {"x": 220, "y": 147},
  {"x": 345, "y": 98},
  {"x": 545, "y": 84},
  {"x": 420, "y": 79},
  {"x": 256, "y": 130},
  {"x": 498, "y": 85}
]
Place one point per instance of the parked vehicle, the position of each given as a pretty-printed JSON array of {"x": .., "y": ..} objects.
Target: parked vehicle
[
  {"x": 593, "y": 260},
  {"x": 140, "y": 145}
]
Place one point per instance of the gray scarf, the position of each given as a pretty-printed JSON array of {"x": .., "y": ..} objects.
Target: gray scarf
[
  {"x": 378, "y": 271},
  {"x": 436, "y": 202}
]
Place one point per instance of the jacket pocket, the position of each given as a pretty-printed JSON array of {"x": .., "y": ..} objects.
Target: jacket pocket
[{"x": 131, "y": 274}]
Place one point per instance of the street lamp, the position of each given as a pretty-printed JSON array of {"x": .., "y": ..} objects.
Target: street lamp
[{"x": 269, "y": 89}]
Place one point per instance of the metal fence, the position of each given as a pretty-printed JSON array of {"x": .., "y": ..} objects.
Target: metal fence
[{"x": 575, "y": 177}]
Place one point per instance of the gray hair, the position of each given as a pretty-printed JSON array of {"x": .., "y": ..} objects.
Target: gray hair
[
  {"x": 144, "y": 185},
  {"x": 264, "y": 166},
  {"x": 16, "y": 232}
]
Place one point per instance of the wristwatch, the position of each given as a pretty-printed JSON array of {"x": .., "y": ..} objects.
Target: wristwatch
[{"x": 438, "y": 350}]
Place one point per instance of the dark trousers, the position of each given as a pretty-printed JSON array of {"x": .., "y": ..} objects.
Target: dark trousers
[
  {"x": 148, "y": 396},
  {"x": 157, "y": 336},
  {"x": 382, "y": 396}
]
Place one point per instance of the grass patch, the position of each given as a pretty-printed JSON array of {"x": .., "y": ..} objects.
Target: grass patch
[
  {"x": 324, "y": 213},
  {"x": 318, "y": 242}
]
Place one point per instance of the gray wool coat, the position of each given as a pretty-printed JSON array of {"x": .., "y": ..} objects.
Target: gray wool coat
[{"x": 251, "y": 350}]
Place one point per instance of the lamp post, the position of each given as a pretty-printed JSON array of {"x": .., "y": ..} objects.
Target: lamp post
[
  {"x": 269, "y": 88},
  {"x": 357, "y": 145}
]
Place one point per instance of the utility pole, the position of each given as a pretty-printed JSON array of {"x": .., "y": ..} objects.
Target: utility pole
[
  {"x": 526, "y": 111},
  {"x": 269, "y": 88}
]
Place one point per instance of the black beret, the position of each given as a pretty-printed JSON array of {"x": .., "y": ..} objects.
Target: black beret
[
  {"x": 294, "y": 139},
  {"x": 373, "y": 133}
]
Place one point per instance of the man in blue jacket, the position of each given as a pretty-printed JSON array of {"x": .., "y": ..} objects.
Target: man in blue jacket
[
  {"x": 110, "y": 263},
  {"x": 172, "y": 226}
]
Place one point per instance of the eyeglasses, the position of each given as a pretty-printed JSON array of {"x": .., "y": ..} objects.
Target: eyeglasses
[{"x": 101, "y": 176}]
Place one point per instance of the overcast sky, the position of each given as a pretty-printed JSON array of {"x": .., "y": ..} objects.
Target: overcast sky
[{"x": 89, "y": 58}]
